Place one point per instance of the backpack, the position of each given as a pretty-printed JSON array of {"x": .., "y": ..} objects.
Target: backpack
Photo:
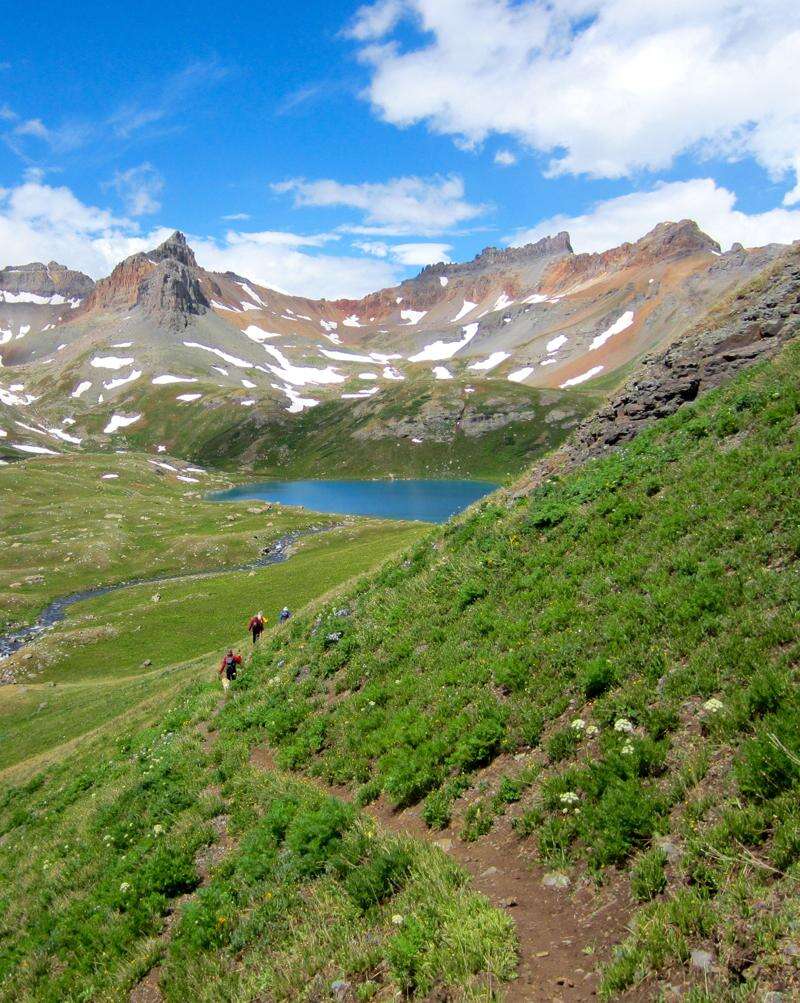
[{"x": 230, "y": 666}]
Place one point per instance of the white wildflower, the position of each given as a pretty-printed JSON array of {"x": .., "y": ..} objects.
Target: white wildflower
[
  {"x": 124, "y": 887},
  {"x": 569, "y": 797},
  {"x": 157, "y": 830},
  {"x": 592, "y": 730},
  {"x": 397, "y": 919},
  {"x": 578, "y": 724},
  {"x": 627, "y": 749},
  {"x": 622, "y": 724},
  {"x": 713, "y": 706}
]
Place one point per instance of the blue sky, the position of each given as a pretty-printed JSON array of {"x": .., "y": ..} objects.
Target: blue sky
[{"x": 330, "y": 148}]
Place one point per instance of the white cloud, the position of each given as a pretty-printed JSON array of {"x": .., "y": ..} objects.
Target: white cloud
[
  {"x": 421, "y": 254},
  {"x": 139, "y": 188},
  {"x": 408, "y": 205},
  {"x": 607, "y": 87},
  {"x": 628, "y": 217},
  {"x": 235, "y": 217},
  {"x": 42, "y": 223},
  {"x": 32, "y": 127},
  {"x": 375, "y": 20},
  {"x": 283, "y": 266},
  {"x": 406, "y": 254},
  {"x": 505, "y": 158}
]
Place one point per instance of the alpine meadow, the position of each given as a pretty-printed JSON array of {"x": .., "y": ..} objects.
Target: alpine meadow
[{"x": 400, "y": 503}]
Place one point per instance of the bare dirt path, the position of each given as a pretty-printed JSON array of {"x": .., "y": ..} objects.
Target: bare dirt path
[{"x": 563, "y": 932}]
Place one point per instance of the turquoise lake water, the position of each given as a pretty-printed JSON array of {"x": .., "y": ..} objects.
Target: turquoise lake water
[{"x": 428, "y": 501}]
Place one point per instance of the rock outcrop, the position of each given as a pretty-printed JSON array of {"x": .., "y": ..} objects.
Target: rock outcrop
[
  {"x": 166, "y": 283},
  {"x": 758, "y": 319},
  {"x": 45, "y": 281}
]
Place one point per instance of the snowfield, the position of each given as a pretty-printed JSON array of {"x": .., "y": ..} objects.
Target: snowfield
[
  {"x": 438, "y": 351},
  {"x": 582, "y": 378},
  {"x": 622, "y": 324},
  {"x": 119, "y": 421}
]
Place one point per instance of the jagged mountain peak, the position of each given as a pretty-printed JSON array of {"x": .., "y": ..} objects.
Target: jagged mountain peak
[
  {"x": 174, "y": 247},
  {"x": 683, "y": 237}
]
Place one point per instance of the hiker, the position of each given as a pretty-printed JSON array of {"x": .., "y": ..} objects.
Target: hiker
[
  {"x": 256, "y": 625},
  {"x": 284, "y": 614},
  {"x": 227, "y": 668}
]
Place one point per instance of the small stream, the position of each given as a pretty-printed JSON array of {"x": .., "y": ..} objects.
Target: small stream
[{"x": 57, "y": 610}]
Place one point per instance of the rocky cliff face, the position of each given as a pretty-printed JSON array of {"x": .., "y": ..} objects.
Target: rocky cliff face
[
  {"x": 166, "y": 283},
  {"x": 752, "y": 325},
  {"x": 45, "y": 280},
  {"x": 666, "y": 242}
]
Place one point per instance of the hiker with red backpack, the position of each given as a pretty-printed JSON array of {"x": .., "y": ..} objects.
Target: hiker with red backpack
[
  {"x": 256, "y": 626},
  {"x": 228, "y": 668}
]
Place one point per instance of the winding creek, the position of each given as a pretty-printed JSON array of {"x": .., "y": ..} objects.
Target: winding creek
[{"x": 56, "y": 611}]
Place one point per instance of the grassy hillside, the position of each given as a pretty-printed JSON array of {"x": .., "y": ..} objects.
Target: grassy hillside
[
  {"x": 65, "y": 528},
  {"x": 630, "y": 633},
  {"x": 610, "y": 664}
]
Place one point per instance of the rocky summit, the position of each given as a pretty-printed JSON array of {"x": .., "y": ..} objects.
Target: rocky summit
[{"x": 491, "y": 361}]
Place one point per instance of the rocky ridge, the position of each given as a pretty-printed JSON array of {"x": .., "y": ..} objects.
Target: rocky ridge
[
  {"x": 752, "y": 325},
  {"x": 47, "y": 280}
]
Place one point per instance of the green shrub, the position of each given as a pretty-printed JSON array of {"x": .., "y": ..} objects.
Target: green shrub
[
  {"x": 438, "y": 806},
  {"x": 769, "y": 764},
  {"x": 562, "y": 744},
  {"x": 598, "y": 677},
  {"x": 479, "y": 745},
  {"x": 648, "y": 877},
  {"x": 379, "y": 877},
  {"x": 314, "y": 837},
  {"x": 406, "y": 953}
]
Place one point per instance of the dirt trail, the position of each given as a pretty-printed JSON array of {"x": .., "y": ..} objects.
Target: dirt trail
[{"x": 563, "y": 932}]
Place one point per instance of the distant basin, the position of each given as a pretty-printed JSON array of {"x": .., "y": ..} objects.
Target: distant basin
[{"x": 427, "y": 501}]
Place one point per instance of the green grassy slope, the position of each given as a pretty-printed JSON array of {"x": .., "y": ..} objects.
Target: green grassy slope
[
  {"x": 95, "y": 850},
  {"x": 64, "y": 528},
  {"x": 631, "y": 630},
  {"x": 92, "y": 667}
]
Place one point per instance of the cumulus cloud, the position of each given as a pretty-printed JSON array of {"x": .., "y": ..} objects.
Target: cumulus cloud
[
  {"x": 406, "y": 254},
  {"x": 408, "y": 205},
  {"x": 139, "y": 188},
  {"x": 39, "y": 222},
  {"x": 607, "y": 87},
  {"x": 628, "y": 217},
  {"x": 505, "y": 158}
]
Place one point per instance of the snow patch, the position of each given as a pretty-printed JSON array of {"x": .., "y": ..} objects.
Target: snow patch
[
  {"x": 248, "y": 385},
  {"x": 442, "y": 373},
  {"x": 300, "y": 376},
  {"x": 232, "y": 359},
  {"x": 119, "y": 421},
  {"x": 443, "y": 280},
  {"x": 493, "y": 360},
  {"x": 110, "y": 362},
  {"x": 297, "y": 403},
  {"x": 556, "y": 343},
  {"x": 412, "y": 316},
  {"x": 122, "y": 380},
  {"x": 81, "y": 388},
  {"x": 502, "y": 302},
  {"x": 258, "y": 334},
  {"x": 366, "y": 392},
  {"x": 109, "y": 477},
  {"x": 167, "y": 378},
  {"x": 621, "y": 324},
  {"x": 465, "y": 309},
  {"x": 352, "y": 321},
  {"x": 188, "y": 398},
  {"x": 582, "y": 378},
  {"x": 39, "y": 450},
  {"x": 519, "y": 375},
  {"x": 438, "y": 351}
]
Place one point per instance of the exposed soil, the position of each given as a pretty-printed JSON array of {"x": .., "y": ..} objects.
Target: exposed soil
[{"x": 563, "y": 932}]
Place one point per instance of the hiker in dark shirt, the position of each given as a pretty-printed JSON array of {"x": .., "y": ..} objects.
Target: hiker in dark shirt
[
  {"x": 284, "y": 614},
  {"x": 228, "y": 668},
  {"x": 256, "y": 626}
]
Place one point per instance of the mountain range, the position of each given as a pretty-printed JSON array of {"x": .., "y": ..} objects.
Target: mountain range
[{"x": 472, "y": 367}]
